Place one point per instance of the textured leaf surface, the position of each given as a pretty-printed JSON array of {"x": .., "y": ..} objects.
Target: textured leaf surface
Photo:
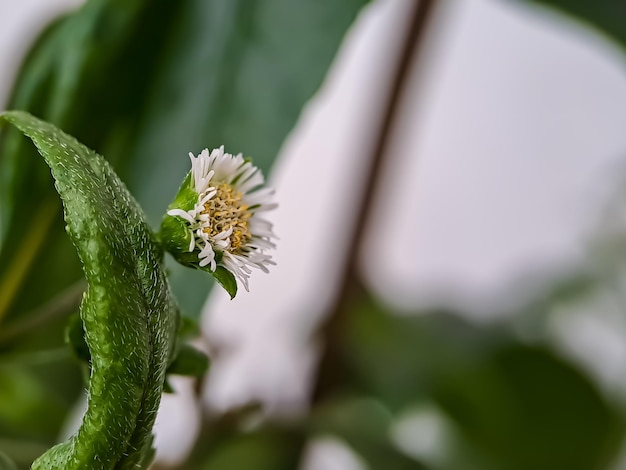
[{"x": 129, "y": 314}]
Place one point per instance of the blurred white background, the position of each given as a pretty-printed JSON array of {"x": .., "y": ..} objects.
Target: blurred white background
[{"x": 501, "y": 164}]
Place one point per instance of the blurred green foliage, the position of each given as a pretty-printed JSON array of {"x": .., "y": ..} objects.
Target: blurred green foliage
[
  {"x": 364, "y": 423},
  {"x": 6, "y": 463},
  {"x": 518, "y": 405},
  {"x": 269, "y": 448}
]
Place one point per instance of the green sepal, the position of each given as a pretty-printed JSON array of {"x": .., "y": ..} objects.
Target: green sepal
[
  {"x": 226, "y": 279},
  {"x": 175, "y": 235},
  {"x": 175, "y": 238}
]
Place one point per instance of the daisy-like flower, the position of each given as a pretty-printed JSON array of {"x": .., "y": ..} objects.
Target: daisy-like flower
[{"x": 221, "y": 202}]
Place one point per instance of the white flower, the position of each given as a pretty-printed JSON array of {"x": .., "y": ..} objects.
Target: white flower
[{"x": 226, "y": 217}]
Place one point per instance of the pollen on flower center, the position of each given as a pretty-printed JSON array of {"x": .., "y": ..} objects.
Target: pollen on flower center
[{"x": 226, "y": 210}]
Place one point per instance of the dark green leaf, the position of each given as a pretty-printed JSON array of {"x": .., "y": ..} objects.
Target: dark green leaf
[
  {"x": 525, "y": 408},
  {"x": 236, "y": 73},
  {"x": 226, "y": 279},
  {"x": 167, "y": 387},
  {"x": 188, "y": 328},
  {"x": 129, "y": 315},
  {"x": 75, "y": 338},
  {"x": 189, "y": 361},
  {"x": 607, "y": 16}
]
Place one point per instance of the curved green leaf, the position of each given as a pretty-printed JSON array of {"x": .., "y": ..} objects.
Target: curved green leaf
[{"x": 129, "y": 314}]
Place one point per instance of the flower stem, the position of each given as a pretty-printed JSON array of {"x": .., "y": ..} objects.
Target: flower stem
[{"x": 25, "y": 255}]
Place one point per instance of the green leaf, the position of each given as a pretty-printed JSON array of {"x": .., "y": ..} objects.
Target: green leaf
[
  {"x": 525, "y": 408},
  {"x": 75, "y": 338},
  {"x": 188, "y": 328},
  {"x": 236, "y": 73},
  {"x": 226, "y": 279},
  {"x": 607, "y": 16},
  {"x": 129, "y": 315},
  {"x": 189, "y": 361}
]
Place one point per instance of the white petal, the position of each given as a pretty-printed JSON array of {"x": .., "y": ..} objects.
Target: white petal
[
  {"x": 258, "y": 197},
  {"x": 248, "y": 184},
  {"x": 181, "y": 213}
]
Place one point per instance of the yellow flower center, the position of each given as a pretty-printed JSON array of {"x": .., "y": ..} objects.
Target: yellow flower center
[{"x": 226, "y": 210}]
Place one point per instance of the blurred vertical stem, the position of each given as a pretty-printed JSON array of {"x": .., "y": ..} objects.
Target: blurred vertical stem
[
  {"x": 331, "y": 331},
  {"x": 24, "y": 256}
]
